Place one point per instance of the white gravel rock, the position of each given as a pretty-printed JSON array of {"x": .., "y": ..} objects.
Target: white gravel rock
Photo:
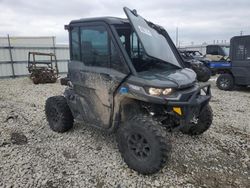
[{"x": 31, "y": 155}]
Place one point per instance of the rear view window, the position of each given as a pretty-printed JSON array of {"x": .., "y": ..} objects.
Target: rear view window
[
  {"x": 94, "y": 46},
  {"x": 241, "y": 49},
  {"x": 213, "y": 50}
]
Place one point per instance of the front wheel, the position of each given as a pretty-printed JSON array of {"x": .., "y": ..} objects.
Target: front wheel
[
  {"x": 225, "y": 82},
  {"x": 143, "y": 144},
  {"x": 203, "y": 74},
  {"x": 200, "y": 124}
]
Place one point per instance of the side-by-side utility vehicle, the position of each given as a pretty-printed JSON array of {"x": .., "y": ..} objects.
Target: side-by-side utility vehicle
[
  {"x": 202, "y": 71},
  {"x": 238, "y": 73},
  {"x": 127, "y": 77}
]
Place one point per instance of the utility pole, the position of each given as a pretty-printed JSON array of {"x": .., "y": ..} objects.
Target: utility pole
[
  {"x": 177, "y": 35},
  {"x": 241, "y": 33}
]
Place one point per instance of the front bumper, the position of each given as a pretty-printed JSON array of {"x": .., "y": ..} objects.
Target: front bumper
[{"x": 190, "y": 109}]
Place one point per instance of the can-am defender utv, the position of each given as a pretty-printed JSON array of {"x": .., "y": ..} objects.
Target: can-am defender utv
[{"x": 127, "y": 77}]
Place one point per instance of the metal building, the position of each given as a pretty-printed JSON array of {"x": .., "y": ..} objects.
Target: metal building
[
  {"x": 201, "y": 48},
  {"x": 14, "y": 54}
]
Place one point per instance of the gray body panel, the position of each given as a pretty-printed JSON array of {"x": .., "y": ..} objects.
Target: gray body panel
[
  {"x": 241, "y": 73},
  {"x": 95, "y": 88},
  {"x": 179, "y": 78}
]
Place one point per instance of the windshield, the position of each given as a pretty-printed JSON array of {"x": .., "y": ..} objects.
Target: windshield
[
  {"x": 155, "y": 45},
  {"x": 226, "y": 50},
  {"x": 141, "y": 61}
]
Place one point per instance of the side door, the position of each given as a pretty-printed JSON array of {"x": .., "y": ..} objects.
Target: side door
[
  {"x": 92, "y": 74},
  {"x": 240, "y": 58}
]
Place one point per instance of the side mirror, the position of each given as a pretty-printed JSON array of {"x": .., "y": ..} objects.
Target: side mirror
[{"x": 66, "y": 27}]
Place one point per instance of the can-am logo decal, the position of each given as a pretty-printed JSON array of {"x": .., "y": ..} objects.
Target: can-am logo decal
[{"x": 145, "y": 31}]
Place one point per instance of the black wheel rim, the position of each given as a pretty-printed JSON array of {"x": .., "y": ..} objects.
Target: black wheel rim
[
  {"x": 139, "y": 146},
  {"x": 54, "y": 115},
  {"x": 224, "y": 83}
]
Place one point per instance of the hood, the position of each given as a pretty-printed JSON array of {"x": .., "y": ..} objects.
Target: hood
[{"x": 180, "y": 78}]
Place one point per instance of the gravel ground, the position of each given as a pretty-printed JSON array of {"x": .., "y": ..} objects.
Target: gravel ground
[{"x": 31, "y": 155}]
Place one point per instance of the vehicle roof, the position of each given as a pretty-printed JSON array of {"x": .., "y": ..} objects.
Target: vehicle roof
[
  {"x": 108, "y": 20},
  {"x": 218, "y": 45},
  {"x": 239, "y": 37}
]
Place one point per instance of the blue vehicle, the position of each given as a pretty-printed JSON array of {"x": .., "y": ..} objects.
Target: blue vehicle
[
  {"x": 219, "y": 64},
  {"x": 218, "y": 67}
]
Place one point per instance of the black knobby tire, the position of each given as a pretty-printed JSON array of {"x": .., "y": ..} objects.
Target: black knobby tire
[
  {"x": 204, "y": 121},
  {"x": 58, "y": 114},
  {"x": 34, "y": 77},
  {"x": 225, "y": 82},
  {"x": 143, "y": 144},
  {"x": 35, "y": 81},
  {"x": 204, "y": 74}
]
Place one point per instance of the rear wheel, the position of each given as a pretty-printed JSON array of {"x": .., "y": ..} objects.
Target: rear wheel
[
  {"x": 200, "y": 124},
  {"x": 143, "y": 144},
  {"x": 34, "y": 77},
  {"x": 35, "y": 80},
  {"x": 225, "y": 82},
  {"x": 58, "y": 114}
]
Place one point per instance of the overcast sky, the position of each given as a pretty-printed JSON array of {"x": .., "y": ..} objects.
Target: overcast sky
[{"x": 198, "y": 20}]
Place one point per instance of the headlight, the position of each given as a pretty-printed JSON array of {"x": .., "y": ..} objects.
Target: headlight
[
  {"x": 167, "y": 91},
  {"x": 158, "y": 92},
  {"x": 155, "y": 91}
]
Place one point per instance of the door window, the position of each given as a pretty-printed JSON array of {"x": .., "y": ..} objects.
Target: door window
[
  {"x": 117, "y": 62},
  {"x": 75, "y": 44},
  {"x": 94, "y": 46}
]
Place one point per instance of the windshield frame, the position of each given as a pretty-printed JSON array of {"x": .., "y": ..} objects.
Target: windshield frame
[
  {"x": 162, "y": 32},
  {"x": 126, "y": 45}
]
